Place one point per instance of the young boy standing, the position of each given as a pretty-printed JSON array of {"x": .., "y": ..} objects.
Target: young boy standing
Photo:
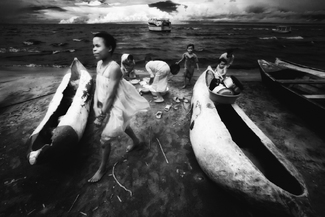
[{"x": 191, "y": 61}]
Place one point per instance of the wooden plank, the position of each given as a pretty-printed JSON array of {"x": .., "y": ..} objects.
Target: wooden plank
[
  {"x": 310, "y": 70},
  {"x": 315, "y": 96},
  {"x": 300, "y": 81}
]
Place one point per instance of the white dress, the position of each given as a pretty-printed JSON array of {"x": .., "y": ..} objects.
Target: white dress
[
  {"x": 160, "y": 70},
  {"x": 127, "y": 102},
  {"x": 218, "y": 72}
]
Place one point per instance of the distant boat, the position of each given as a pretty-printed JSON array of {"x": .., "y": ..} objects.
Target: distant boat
[
  {"x": 159, "y": 25},
  {"x": 282, "y": 29}
]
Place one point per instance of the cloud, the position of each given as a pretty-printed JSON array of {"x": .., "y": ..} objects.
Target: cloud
[
  {"x": 135, "y": 13},
  {"x": 167, "y": 6},
  {"x": 91, "y": 3},
  {"x": 102, "y": 11},
  {"x": 255, "y": 9}
]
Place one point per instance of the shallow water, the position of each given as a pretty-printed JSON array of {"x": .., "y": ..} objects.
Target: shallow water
[{"x": 56, "y": 45}]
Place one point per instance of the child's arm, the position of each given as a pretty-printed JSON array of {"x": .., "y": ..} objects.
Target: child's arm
[
  {"x": 152, "y": 76},
  {"x": 231, "y": 60},
  {"x": 183, "y": 56},
  {"x": 197, "y": 63}
]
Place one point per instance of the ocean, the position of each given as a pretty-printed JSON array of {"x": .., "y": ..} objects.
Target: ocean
[{"x": 55, "y": 45}]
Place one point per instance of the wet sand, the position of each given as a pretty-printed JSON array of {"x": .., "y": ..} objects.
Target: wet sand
[{"x": 156, "y": 188}]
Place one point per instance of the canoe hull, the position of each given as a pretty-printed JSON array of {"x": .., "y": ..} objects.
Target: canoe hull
[
  {"x": 313, "y": 71},
  {"x": 309, "y": 109},
  {"x": 65, "y": 120},
  {"x": 227, "y": 165}
]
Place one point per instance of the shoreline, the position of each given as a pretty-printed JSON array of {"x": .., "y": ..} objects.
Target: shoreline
[
  {"x": 144, "y": 172},
  {"x": 38, "y": 81}
]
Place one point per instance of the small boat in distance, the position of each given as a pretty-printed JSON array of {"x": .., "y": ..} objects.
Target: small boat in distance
[
  {"x": 282, "y": 29},
  {"x": 159, "y": 25}
]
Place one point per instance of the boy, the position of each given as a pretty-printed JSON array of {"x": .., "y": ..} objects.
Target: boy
[{"x": 191, "y": 61}]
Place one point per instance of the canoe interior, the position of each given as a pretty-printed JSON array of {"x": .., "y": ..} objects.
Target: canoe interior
[
  {"x": 256, "y": 151},
  {"x": 45, "y": 135},
  {"x": 222, "y": 98},
  {"x": 303, "y": 89}
]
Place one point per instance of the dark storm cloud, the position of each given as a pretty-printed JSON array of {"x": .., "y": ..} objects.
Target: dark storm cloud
[
  {"x": 97, "y": 11},
  {"x": 315, "y": 16},
  {"x": 167, "y": 6},
  {"x": 255, "y": 9},
  {"x": 40, "y": 8}
]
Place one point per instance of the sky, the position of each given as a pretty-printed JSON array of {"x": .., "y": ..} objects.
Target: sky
[{"x": 178, "y": 11}]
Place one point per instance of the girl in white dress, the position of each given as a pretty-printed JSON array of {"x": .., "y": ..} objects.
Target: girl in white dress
[{"x": 116, "y": 101}]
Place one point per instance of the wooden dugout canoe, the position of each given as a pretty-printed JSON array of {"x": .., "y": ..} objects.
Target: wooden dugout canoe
[
  {"x": 66, "y": 117},
  {"x": 295, "y": 66},
  {"x": 239, "y": 157},
  {"x": 302, "y": 89}
]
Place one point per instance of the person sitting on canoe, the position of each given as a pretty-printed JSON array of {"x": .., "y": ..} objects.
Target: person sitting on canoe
[
  {"x": 191, "y": 61},
  {"x": 228, "y": 56},
  {"x": 221, "y": 69},
  {"x": 221, "y": 81},
  {"x": 159, "y": 72},
  {"x": 116, "y": 101},
  {"x": 127, "y": 66}
]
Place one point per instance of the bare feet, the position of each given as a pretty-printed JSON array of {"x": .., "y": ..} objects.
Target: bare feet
[{"x": 98, "y": 175}]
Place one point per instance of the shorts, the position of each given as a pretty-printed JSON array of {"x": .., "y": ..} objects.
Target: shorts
[{"x": 188, "y": 73}]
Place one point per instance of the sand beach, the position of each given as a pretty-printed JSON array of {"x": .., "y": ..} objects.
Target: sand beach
[{"x": 153, "y": 186}]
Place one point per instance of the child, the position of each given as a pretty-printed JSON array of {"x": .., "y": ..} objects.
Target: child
[
  {"x": 191, "y": 61},
  {"x": 221, "y": 68},
  {"x": 116, "y": 101},
  {"x": 159, "y": 71},
  {"x": 228, "y": 56},
  {"x": 219, "y": 73},
  {"x": 127, "y": 66},
  {"x": 221, "y": 81}
]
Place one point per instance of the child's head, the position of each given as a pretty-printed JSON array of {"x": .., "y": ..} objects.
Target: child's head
[
  {"x": 174, "y": 68},
  {"x": 130, "y": 58},
  {"x": 104, "y": 45},
  {"x": 230, "y": 52},
  {"x": 222, "y": 63},
  {"x": 147, "y": 58},
  {"x": 190, "y": 48}
]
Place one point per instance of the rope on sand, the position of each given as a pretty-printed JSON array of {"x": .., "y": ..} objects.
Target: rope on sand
[
  {"x": 162, "y": 150},
  {"x": 119, "y": 182},
  {"x": 27, "y": 100}
]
